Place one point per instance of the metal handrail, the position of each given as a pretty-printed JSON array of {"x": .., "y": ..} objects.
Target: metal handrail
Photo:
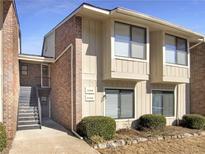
[{"x": 39, "y": 106}]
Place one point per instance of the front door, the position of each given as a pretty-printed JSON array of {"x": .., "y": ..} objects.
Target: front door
[{"x": 45, "y": 76}]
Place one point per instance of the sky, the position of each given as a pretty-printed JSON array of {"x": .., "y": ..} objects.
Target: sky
[{"x": 38, "y": 17}]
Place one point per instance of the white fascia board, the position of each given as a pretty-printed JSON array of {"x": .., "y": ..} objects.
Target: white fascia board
[
  {"x": 155, "y": 20},
  {"x": 36, "y": 58},
  {"x": 92, "y": 8}
]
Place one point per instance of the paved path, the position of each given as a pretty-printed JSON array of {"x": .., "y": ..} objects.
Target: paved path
[{"x": 51, "y": 139}]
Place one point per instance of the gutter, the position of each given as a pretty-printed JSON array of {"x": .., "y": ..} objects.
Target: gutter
[
  {"x": 201, "y": 41},
  {"x": 71, "y": 76}
]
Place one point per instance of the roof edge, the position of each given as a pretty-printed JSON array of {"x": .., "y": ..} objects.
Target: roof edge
[{"x": 156, "y": 20}]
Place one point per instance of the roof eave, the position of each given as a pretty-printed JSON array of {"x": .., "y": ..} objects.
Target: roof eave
[{"x": 156, "y": 20}]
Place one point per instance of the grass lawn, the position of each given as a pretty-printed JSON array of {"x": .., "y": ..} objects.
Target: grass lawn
[{"x": 193, "y": 145}]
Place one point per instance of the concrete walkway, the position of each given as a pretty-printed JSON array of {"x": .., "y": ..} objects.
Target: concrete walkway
[{"x": 51, "y": 139}]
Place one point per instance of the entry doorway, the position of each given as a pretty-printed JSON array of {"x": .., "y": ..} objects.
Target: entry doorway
[{"x": 45, "y": 76}]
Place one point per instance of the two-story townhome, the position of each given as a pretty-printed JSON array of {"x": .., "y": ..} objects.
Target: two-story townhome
[
  {"x": 118, "y": 63},
  {"x": 9, "y": 68}
]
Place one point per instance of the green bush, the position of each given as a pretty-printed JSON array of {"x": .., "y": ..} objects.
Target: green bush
[
  {"x": 3, "y": 138},
  {"x": 193, "y": 121},
  {"x": 102, "y": 126},
  {"x": 152, "y": 121}
]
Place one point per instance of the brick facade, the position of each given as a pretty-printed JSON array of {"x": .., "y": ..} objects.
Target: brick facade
[
  {"x": 69, "y": 32},
  {"x": 33, "y": 78},
  {"x": 10, "y": 67},
  {"x": 197, "y": 79}
]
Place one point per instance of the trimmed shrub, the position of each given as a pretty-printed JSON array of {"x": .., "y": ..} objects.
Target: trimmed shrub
[
  {"x": 3, "y": 137},
  {"x": 152, "y": 121},
  {"x": 102, "y": 126},
  {"x": 193, "y": 121}
]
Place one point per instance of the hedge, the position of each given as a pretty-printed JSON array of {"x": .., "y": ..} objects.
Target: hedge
[
  {"x": 152, "y": 121},
  {"x": 193, "y": 121},
  {"x": 3, "y": 137},
  {"x": 102, "y": 126}
]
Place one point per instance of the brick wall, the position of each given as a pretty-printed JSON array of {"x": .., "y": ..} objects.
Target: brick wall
[
  {"x": 33, "y": 78},
  {"x": 198, "y": 79},
  {"x": 10, "y": 68},
  {"x": 67, "y": 33}
]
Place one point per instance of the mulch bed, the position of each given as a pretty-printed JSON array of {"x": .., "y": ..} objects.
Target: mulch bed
[
  {"x": 130, "y": 136},
  {"x": 167, "y": 131}
]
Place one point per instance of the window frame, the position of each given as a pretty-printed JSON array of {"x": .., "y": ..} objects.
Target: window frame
[
  {"x": 119, "y": 99},
  {"x": 130, "y": 41},
  {"x": 176, "y": 38},
  {"x": 174, "y": 101},
  {"x": 21, "y": 65}
]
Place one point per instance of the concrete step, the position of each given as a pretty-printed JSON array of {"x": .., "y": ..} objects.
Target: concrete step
[
  {"x": 27, "y": 122},
  {"x": 28, "y": 107},
  {"x": 28, "y": 118},
  {"x": 27, "y": 114},
  {"x": 26, "y": 127},
  {"x": 28, "y": 111},
  {"x": 27, "y": 96},
  {"x": 28, "y": 104}
]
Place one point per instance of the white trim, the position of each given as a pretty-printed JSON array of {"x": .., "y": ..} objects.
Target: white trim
[
  {"x": 129, "y": 13},
  {"x": 176, "y": 65},
  {"x": 175, "y": 100},
  {"x": 120, "y": 88},
  {"x": 130, "y": 59},
  {"x": 155, "y": 20},
  {"x": 113, "y": 41},
  {"x": 35, "y": 58},
  {"x": 164, "y": 50},
  {"x": 42, "y": 86},
  {"x": 63, "y": 21},
  {"x": 94, "y": 9}
]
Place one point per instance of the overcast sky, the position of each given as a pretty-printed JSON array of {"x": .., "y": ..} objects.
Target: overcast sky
[{"x": 37, "y": 17}]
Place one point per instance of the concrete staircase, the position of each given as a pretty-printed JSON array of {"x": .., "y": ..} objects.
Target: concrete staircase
[{"x": 28, "y": 116}]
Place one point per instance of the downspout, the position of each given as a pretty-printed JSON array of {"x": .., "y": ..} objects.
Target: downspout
[
  {"x": 72, "y": 112},
  {"x": 71, "y": 77},
  {"x": 177, "y": 88},
  {"x": 201, "y": 41}
]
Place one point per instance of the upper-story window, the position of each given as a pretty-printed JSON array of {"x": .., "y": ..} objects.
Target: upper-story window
[
  {"x": 130, "y": 41},
  {"x": 175, "y": 50}
]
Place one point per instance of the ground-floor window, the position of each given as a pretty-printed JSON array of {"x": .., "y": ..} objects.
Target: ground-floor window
[
  {"x": 163, "y": 103},
  {"x": 119, "y": 103}
]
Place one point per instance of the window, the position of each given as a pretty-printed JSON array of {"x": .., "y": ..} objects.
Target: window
[
  {"x": 119, "y": 103},
  {"x": 130, "y": 41},
  {"x": 24, "y": 69},
  {"x": 176, "y": 50},
  {"x": 163, "y": 103}
]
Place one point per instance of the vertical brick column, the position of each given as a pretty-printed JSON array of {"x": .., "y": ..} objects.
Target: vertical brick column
[
  {"x": 198, "y": 79},
  {"x": 69, "y": 32},
  {"x": 78, "y": 72},
  {"x": 10, "y": 68}
]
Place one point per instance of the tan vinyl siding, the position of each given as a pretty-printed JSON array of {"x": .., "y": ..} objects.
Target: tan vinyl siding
[
  {"x": 121, "y": 68},
  {"x": 49, "y": 45},
  {"x": 156, "y": 54},
  {"x": 97, "y": 68},
  {"x": 129, "y": 69},
  {"x": 106, "y": 49},
  {"x": 175, "y": 73},
  {"x": 160, "y": 70}
]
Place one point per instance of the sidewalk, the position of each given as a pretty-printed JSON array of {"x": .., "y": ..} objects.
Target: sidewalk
[{"x": 51, "y": 139}]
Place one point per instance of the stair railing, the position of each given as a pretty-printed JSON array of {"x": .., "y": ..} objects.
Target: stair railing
[{"x": 39, "y": 107}]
